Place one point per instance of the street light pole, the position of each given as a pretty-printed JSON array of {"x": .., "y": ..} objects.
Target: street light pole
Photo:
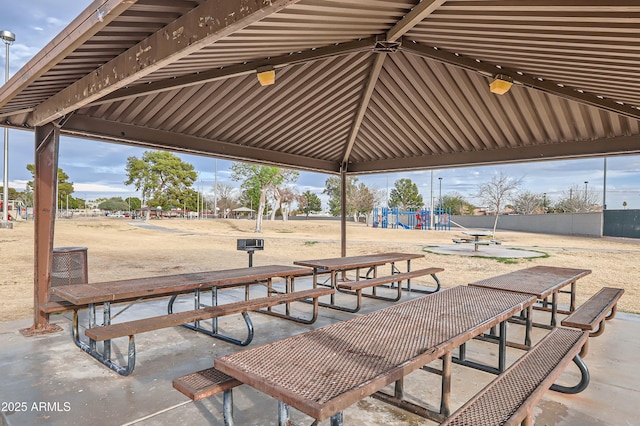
[
  {"x": 586, "y": 199},
  {"x": 8, "y": 38},
  {"x": 440, "y": 196}
]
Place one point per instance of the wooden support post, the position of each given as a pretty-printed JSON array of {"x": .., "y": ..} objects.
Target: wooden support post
[{"x": 45, "y": 183}]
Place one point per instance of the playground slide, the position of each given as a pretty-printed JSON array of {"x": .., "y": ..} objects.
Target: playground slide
[{"x": 403, "y": 225}]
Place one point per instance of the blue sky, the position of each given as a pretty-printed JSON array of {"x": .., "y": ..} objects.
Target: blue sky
[{"x": 97, "y": 169}]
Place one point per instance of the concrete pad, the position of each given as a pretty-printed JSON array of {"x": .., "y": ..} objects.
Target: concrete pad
[
  {"x": 492, "y": 251},
  {"x": 48, "y": 380}
]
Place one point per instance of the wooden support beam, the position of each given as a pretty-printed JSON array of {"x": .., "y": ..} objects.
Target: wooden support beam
[{"x": 44, "y": 200}]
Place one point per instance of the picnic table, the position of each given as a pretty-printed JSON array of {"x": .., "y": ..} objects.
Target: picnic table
[
  {"x": 542, "y": 282},
  {"x": 324, "y": 371},
  {"x": 338, "y": 266},
  {"x": 476, "y": 241},
  {"x": 138, "y": 289}
]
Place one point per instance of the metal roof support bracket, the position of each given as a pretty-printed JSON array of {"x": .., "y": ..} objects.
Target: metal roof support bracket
[{"x": 384, "y": 46}]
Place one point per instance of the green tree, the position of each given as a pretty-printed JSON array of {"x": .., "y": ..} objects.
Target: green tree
[
  {"x": 332, "y": 188},
  {"x": 133, "y": 203},
  {"x": 162, "y": 178},
  {"x": 65, "y": 188},
  {"x": 457, "y": 204},
  {"x": 257, "y": 181},
  {"x": 495, "y": 193},
  {"x": 405, "y": 195},
  {"x": 308, "y": 202},
  {"x": 114, "y": 204},
  {"x": 363, "y": 199}
]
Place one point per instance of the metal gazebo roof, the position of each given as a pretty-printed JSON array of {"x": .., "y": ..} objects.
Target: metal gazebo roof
[{"x": 368, "y": 85}]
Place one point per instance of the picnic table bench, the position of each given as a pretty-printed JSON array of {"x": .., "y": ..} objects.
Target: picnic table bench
[
  {"x": 512, "y": 396},
  {"x": 371, "y": 264},
  {"x": 600, "y": 307},
  {"x": 134, "y": 290}
]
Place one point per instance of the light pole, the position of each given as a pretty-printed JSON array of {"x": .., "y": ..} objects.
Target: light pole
[
  {"x": 440, "y": 196},
  {"x": 586, "y": 182},
  {"x": 7, "y": 37}
]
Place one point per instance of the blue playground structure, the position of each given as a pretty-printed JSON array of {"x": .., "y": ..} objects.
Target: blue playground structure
[{"x": 385, "y": 217}]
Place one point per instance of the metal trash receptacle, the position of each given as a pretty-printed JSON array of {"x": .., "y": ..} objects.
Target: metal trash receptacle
[{"x": 69, "y": 267}]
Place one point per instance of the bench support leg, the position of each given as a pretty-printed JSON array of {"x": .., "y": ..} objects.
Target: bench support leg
[
  {"x": 584, "y": 379},
  {"x": 613, "y": 312},
  {"x": 104, "y": 357},
  {"x": 600, "y": 329},
  {"x": 214, "y": 325},
  {"x": 288, "y": 316}
]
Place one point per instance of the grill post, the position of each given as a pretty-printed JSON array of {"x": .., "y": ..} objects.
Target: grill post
[{"x": 250, "y": 246}]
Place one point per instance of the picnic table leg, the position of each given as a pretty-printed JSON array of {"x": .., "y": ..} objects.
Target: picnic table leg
[
  {"x": 283, "y": 414},
  {"x": 554, "y": 308},
  {"x": 106, "y": 320},
  {"x": 227, "y": 407},
  {"x": 399, "y": 389},
  {"x": 502, "y": 347},
  {"x": 528, "y": 326},
  {"x": 445, "y": 399},
  {"x": 336, "y": 419},
  {"x": 572, "y": 306},
  {"x": 92, "y": 323}
]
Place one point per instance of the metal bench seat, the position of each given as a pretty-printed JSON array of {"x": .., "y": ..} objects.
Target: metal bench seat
[
  {"x": 512, "y": 396},
  {"x": 600, "y": 307},
  {"x": 209, "y": 382}
]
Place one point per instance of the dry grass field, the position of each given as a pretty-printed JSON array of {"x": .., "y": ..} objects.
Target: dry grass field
[{"x": 121, "y": 248}]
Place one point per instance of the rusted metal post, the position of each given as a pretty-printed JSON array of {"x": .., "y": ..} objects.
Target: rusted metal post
[{"x": 45, "y": 182}]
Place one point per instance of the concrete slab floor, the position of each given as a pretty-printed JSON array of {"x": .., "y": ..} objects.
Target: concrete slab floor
[{"x": 48, "y": 380}]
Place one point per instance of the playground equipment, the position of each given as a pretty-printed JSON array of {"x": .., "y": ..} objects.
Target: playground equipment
[{"x": 385, "y": 217}]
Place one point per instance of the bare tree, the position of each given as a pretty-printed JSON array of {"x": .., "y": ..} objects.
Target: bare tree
[
  {"x": 287, "y": 197},
  {"x": 576, "y": 200},
  {"x": 528, "y": 202},
  {"x": 227, "y": 198},
  {"x": 495, "y": 193}
]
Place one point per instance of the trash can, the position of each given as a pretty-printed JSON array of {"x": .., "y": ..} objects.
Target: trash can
[{"x": 69, "y": 267}]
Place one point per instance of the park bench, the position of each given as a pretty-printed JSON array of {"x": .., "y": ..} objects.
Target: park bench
[
  {"x": 209, "y": 382},
  {"x": 130, "y": 328},
  {"x": 511, "y": 397},
  {"x": 358, "y": 285},
  {"x": 600, "y": 307}
]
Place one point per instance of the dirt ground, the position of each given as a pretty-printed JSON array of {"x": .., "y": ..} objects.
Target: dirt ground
[{"x": 122, "y": 248}]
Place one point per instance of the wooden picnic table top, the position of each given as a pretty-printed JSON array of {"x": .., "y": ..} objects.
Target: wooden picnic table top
[
  {"x": 351, "y": 262},
  {"x": 540, "y": 281},
  {"x": 122, "y": 290},
  {"x": 324, "y": 371}
]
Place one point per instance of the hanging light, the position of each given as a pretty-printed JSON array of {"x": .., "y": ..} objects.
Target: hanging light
[
  {"x": 266, "y": 75},
  {"x": 501, "y": 84}
]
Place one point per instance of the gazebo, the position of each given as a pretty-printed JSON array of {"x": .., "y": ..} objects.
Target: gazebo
[{"x": 338, "y": 87}]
